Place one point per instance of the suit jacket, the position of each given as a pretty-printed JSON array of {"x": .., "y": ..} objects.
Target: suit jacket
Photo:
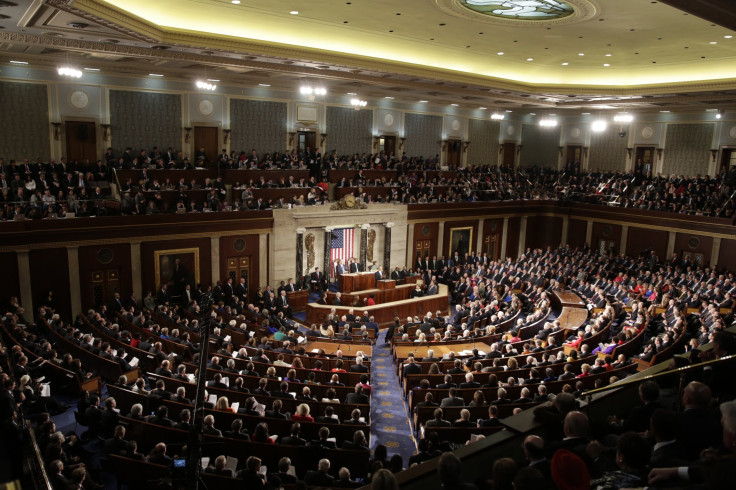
[
  {"x": 452, "y": 402},
  {"x": 293, "y": 441},
  {"x": 438, "y": 423},
  {"x": 357, "y": 399},
  {"x": 319, "y": 479}
]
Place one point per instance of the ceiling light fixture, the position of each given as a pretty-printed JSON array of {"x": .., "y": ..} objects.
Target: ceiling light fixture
[
  {"x": 713, "y": 42},
  {"x": 155, "y": 75},
  {"x": 423, "y": 101},
  {"x": 500, "y": 53},
  {"x": 548, "y": 122},
  {"x": 389, "y": 97},
  {"x": 205, "y": 85},
  {"x": 19, "y": 62},
  {"x": 264, "y": 84},
  {"x": 530, "y": 59},
  {"x": 719, "y": 114},
  {"x": 497, "y": 116},
  {"x": 565, "y": 64},
  {"x": 91, "y": 69},
  {"x": 623, "y": 118},
  {"x": 307, "y": 90},
  {"x": 358, "y": 103},
  {"x": 599, "y": 126},
  {"x": 67, "y": 71},
  {"x": 294, "y": 12},
  {"x": 235, "y": 2},
  {"x": 454, "y": 105},
  {"x": 606, "y": 64},
  {"x": 351, "y": 93},
  {"x": 482, "y": 108},
  {"x": 727, "y": 37}
]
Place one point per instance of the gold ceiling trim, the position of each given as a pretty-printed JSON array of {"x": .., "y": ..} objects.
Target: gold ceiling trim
[{"x": 126, "y": 22}]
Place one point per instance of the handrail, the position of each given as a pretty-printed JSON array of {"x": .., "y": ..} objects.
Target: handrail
[{"x": 626, "y": 382}]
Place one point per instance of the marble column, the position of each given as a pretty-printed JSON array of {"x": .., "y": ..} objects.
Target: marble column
[
  {"x": 326, "y": 249},
  {"x": 624, "y": 239},
  {"x": 75, "y": 295},
  {"x": 589, "y": 234},
  {"x": 440, "y": 241},
  {"x": 670, "y": 245},
  {"x": 565, "y": 224},
  {"x": 300, "y": 254},
  {"x": 24, "y": 279},
  {"x": 387, "y": 248},
  {"x": 135, "y": 269},
  {"x": 410, "y": 244},
  {"x": 263, "y": 254},
  {"x": 504, "y": 239},
  {"x": 715, "y": 252},
  {"x": 479, "y": 240},
  {"x": 364, "y": 246},
  {"x": 215, "y": 259},
  {"x": 522, "y": 236}
]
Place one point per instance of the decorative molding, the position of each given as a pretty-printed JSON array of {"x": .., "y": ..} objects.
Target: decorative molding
[{"x": 584, "y": 10}]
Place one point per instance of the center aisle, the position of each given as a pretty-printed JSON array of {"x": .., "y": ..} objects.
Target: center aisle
[{"x": 389, "y": 423}]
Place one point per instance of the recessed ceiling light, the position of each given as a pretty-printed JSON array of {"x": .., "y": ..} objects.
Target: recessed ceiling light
[
  {"x": 565, "y": 64},
  {"x": 236, "y": 2},
  {"x": 482, "y": 108},
  {"x": 664, "y": 111},
  {"x": 530, "y": 59},
  {"x": 713, "y": 42},
  {"x": 586, "y": 113},
  {"x": 608, "y": 54},
  {"x": 19, "y": 62},
  {"x": 581, "y": 54},
  {"x": 213, "y": 80},
  {"x": 155, "y": 75},
  {"x": 509, "y": 110},
  {"x": 351, "y": 93},
  {"x": 264, "y": 84},
  {"x": 500, "y": 53},
  {"x": 728, "y": 37},
  {"x": 532, "y": 113},
  {"x": 91, "y": 69},
  {"x": 294, "y": 12},
  {"x": 423, "y": 101},
  {"x": 454, "y": 105},
  {"x": 606, "y": 64},
  {"x": 388, "y": 97}
]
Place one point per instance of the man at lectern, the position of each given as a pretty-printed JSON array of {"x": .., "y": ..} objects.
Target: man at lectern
[
  {"x": 339, "y": 268},
  {"x": 379, "y": 273},
  {"x": 354, "y": 266}
]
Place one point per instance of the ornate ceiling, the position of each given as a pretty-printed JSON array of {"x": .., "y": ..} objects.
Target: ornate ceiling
[{"x": 500, "y": 54}]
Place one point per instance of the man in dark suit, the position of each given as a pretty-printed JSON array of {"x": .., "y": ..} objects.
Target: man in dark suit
[
  {"x": 321, "y": 477},
  {"x": 411, "y": 367},
  {"x": 447, "y": 384},
  {"x": 358, "y": 367},
  {"x": 294, "y": 439},
  {"x": 283, "y": 473},
  {"x": 379, "y": 274},
  {"x": 282, "y": 304},
  {"x": 469, "y": 382},
  {"x": 316, "y": 279},
  {"x": 438, "y": 420},
  {"x": 324, "y": 434},
  {"x": 357, "y": 398},
  {"x": 534, "y": 451},
  {"x": 453, "y": 400},
  {"x": 354, "y": 266},
  {"x": 492, "y": 420},
  {"x": 430, "y": 357},
  {"x": 464, "y": 420}
]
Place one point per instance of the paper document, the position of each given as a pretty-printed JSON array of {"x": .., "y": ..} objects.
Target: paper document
[{"x": 133, "y": 362}]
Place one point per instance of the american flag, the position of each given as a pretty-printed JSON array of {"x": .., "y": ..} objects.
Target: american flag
[{"x": 341, "y": 246}]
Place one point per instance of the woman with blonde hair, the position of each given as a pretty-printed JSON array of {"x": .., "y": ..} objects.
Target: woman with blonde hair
[
  {"x": 302, "y": 414},
  {"x": 512, "y": 364},
  {"x": 223, "y": 404}
]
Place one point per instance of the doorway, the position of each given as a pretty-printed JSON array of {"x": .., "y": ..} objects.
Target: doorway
[
  {"x": 81, "y": 141},
  {"x": 238, "y": 267},
  {"x": 387, "y": 144},
  {"x": 105, "y": 283},
  {"x": 509, "y": 155},
  {"x": 206, "y": 137},
  {"x": 493, "y": 246},
  {"x": 644, "y": 161},
  {"x": 454, "y": 152},
  {"x": 573, "y": 158},
  {"x": 306, "y": 139}
]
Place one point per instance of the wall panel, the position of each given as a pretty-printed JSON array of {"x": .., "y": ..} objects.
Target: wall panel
[
  {"x": 541, "y": 146},
  {"x": 694, "y": 244},
  {"x": 104, "y": 260},
  {"x": 607, "y": 151},
  {"x": 512, "y": 243},
  {"x": 449, "y": 225},
  {"x": 257, "y": 124},
  {"x": 50, "y": 272},
  {"x": 426, "y": 237},
  {"x": 483, "y": 137},
  {"x": 423, "y": 135},
  {"x": 687, "y": 148},
  {"x": 576, "y": 230},
  {"x": 142, "y": 120},
  {"x": 349, "y": 131},
  {"x": 243, "y": 246},
  {"x": 543, "y": 231},
  {"x": 9, "y": 286},
  {"x": 607, "y": 232},
  {"x": 492, "y": 237},
  {"x": 640, "y": 239},
  {"x": 726, "y": 257},
  {"x": 24, "y": 127}
]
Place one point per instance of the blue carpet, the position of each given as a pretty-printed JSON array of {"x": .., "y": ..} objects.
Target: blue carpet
[{"x": 389, "y": 423}]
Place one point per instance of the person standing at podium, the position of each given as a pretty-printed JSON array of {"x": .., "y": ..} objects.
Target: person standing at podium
[
  {"x": 379, "y": 273},
  {"x": 354, "y": 266},
  {"x": 340, "y": 268}
]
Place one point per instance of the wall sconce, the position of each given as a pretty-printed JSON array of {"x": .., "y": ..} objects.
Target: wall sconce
[
  {"x": 291, "y": 137},
  {"x": 226, "y": 135},
  {"x": 714, "y": 153},
  {"x": 105, "y": 131},
  {"x": 560, "y": 148},
  {"x": 186, "y": 135},
  {"x": 401, "y": 143},
  {"x": 659, "y": 152},
  {"x": 629, "y": 151},
  {"x": 518, "y": 149},
  {"x": 324, "y": 138},
  {"x": 57, "y": 130},
  {"x": 465, "y": 146},
  {"x": 444, "y": 145}
]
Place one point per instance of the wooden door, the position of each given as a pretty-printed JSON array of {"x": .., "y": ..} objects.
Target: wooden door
[
  {"x": 454, "y": 152},
  {"x": 422, "y": 249},
  {"x": 206, "y": 137},
  {"x": 574, "y": 158},
  {"x": 81, "y": 141},
  {"x": 306, "y": 139},
  {"x": 492, "y": 246},
  {"x": 238, "y": 267},
  {"x": 509, "y": 155},
  {"x": 388, "y": 145},
  {"x": 104, "y": 284}
]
